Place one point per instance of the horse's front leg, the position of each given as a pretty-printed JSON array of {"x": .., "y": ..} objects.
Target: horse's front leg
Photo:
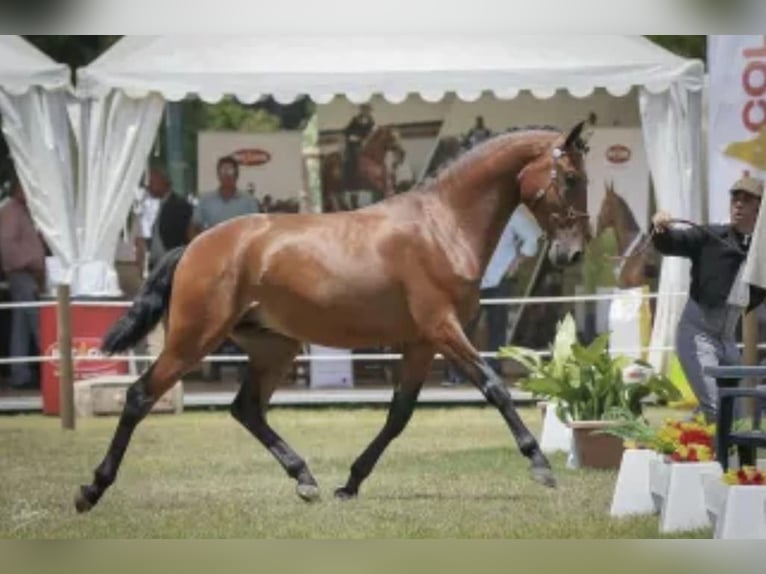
[
  {"x": 450, "y": 340},
  {"x": 417, "y": 361}
]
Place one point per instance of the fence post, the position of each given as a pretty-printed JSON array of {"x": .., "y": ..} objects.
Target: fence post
[
  {"x": 750, "y": 352},
  {"x": 66, "y": 370}
]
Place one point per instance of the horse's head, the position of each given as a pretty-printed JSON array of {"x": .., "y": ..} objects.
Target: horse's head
[
  {"x": 606, "y": 213},
  {"x": 554, "y": 186},
  {"x": 382, "y": 140}
]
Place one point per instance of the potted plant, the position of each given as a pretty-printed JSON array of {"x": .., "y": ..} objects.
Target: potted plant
[{"x": 592, "y": 389}]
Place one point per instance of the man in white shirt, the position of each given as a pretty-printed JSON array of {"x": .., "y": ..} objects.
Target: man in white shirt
[{"x": 518, "y": 242}]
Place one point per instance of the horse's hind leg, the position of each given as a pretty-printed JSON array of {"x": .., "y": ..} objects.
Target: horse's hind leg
[
  {"x": 187, "y": 343},
  {"x": 417, "y": 361},
  {"x": 452, "y": 342},
  {"x": 271, "y": 357}
]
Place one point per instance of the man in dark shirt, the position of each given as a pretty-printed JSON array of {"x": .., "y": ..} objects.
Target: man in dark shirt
[
  {"x": 172, "y": 222},
  {"x": 706, "y": 333}
]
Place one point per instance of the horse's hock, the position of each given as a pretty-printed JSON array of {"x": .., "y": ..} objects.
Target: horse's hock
[{"x": 106, "y": 396}]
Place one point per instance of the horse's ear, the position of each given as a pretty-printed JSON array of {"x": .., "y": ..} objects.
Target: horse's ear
[
  {"x": 579, "y": 135},
  {"x": 574, "y": 135}
]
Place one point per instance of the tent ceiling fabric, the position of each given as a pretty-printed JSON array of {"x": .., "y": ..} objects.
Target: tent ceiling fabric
[
  {"x": 23, "y": 66},
  {"x": 249, "y": 67}
]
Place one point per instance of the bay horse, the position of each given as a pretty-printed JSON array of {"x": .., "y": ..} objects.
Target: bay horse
[
  {"x": 403, "y": 272},
  {"x": 634, "y": 255},
  {"x": 372, "y": 173}
]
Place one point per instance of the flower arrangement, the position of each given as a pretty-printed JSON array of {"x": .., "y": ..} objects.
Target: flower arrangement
[
  {"x": 679, "y": 441},
  {"x": 686, "y": 441},
  {"x": 746, "y": 476}
]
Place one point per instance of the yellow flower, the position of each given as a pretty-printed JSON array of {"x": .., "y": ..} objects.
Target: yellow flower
[{"x": 730, "y": 477}]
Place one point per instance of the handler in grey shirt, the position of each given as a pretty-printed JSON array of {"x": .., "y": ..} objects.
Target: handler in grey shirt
[{"x": 223, "y": 204}]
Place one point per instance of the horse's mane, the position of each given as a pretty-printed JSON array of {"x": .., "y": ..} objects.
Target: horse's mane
[{"x": 469, "y": 152}]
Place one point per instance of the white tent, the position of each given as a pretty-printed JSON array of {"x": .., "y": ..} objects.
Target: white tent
[
  {"x": 34, "y": 91},
  {"x": 129, "y": 83}
]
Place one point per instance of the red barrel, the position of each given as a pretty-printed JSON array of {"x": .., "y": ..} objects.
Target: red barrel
[{"x": 89, "y": 324}]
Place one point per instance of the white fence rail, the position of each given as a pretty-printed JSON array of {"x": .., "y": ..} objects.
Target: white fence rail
[{"x": 356, "y": 357}]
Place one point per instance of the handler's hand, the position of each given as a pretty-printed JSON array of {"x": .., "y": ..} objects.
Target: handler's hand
[{"x": 661, "y": 221}]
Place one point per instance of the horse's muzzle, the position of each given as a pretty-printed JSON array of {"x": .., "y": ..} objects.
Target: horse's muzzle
[{"x": 561, "y": 256}]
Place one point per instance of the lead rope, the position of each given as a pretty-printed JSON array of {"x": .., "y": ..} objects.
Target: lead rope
[{"x": 647, "y": 242}]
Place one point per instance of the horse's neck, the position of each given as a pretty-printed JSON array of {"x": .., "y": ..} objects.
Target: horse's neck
[
  {"x": 626, "y": 229},
  {"x": 481, "y": 191},
  {"x": 373, "y": 147}
]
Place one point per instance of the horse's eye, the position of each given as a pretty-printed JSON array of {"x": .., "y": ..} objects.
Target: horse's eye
[{"x": 571, "y": 178}]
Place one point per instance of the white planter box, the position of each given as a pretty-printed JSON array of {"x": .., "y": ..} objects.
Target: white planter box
[
  {"x": 556, "y": 436},
  {"x": 334, "y": 373},
  {"x": 678, "y": 493},
  {"x": 632, "y": 493},
  {"x": 738, "y": 512}
]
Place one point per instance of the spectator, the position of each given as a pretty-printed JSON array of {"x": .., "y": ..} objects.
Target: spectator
[
  {"x": 22, "y": 252},
  {"x": 224, "y": 203},
  {"x": 478, "y": 133},
  {"x": 173, "y": 217}
]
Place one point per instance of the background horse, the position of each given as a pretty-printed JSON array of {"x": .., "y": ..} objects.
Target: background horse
[
  {"x": 371, "y": 169},
  {"x": 403, "y": 272},
  {"x": 635, "y": 257}
]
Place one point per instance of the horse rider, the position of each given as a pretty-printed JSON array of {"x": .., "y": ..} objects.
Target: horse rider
[{"x": 357, "y": 130}]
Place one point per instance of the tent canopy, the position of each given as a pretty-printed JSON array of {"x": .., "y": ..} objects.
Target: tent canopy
[
  {"x": 321, "y": 66},
  {"x": 23, "y": 66}
]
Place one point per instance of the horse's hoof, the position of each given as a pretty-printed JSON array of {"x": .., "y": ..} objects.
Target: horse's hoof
[
  {"x": 544, "y": 475},
  {"x": 344, "y": 493},
  {"x": 308, "y": 492},
  {"x": 81, "y": 502}
]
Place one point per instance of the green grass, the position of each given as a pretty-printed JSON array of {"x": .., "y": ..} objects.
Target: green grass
[{"x": 454, "y": 473}]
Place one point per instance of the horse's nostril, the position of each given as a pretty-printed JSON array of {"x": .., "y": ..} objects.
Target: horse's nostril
[{"x": 576, "y": 257}]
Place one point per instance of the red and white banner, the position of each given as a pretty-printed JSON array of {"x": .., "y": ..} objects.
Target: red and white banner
[{"x": 737, "y": 116}]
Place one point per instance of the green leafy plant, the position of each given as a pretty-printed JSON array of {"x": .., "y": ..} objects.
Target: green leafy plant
[{"x": 587, "y": 382}]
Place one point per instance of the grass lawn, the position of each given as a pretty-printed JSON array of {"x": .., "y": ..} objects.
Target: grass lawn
[{"x": 454, "y": 473}]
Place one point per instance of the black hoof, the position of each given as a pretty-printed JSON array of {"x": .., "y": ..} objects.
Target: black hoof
[
  {"x": 308, "y": 492},
  {"x": 543, "y": 475},
  {"x": 344, "y": 493},
  {"x": 81, "y": 501}
]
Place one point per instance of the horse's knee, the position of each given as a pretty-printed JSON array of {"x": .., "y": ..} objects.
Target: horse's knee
[{"x": 400, "y": 413}]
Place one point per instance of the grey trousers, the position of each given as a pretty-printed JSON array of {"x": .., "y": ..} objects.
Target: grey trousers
[
  {"x": 706, "y": 337},
  {"x": 25, "y": 325}
]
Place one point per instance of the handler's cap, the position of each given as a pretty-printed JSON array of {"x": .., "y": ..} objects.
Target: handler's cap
[{"x": 748, "y": 184}]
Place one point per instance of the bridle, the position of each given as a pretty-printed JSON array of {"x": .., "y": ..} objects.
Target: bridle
[{"x": 555, "y": 181}]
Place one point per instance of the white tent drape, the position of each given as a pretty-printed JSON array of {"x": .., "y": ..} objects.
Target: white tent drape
[
  {"x": 116, "y": 134},
  {"x": 671, "y": 128},
  {"x": 36, "y": 128},
  {"x": 34, "y": 93}
]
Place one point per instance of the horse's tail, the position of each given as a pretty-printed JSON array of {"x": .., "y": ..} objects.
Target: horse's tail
[{"x": 148, "y": 306}]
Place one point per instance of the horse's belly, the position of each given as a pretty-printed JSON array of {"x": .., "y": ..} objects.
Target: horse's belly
[{"x": 357, "y": 322}]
